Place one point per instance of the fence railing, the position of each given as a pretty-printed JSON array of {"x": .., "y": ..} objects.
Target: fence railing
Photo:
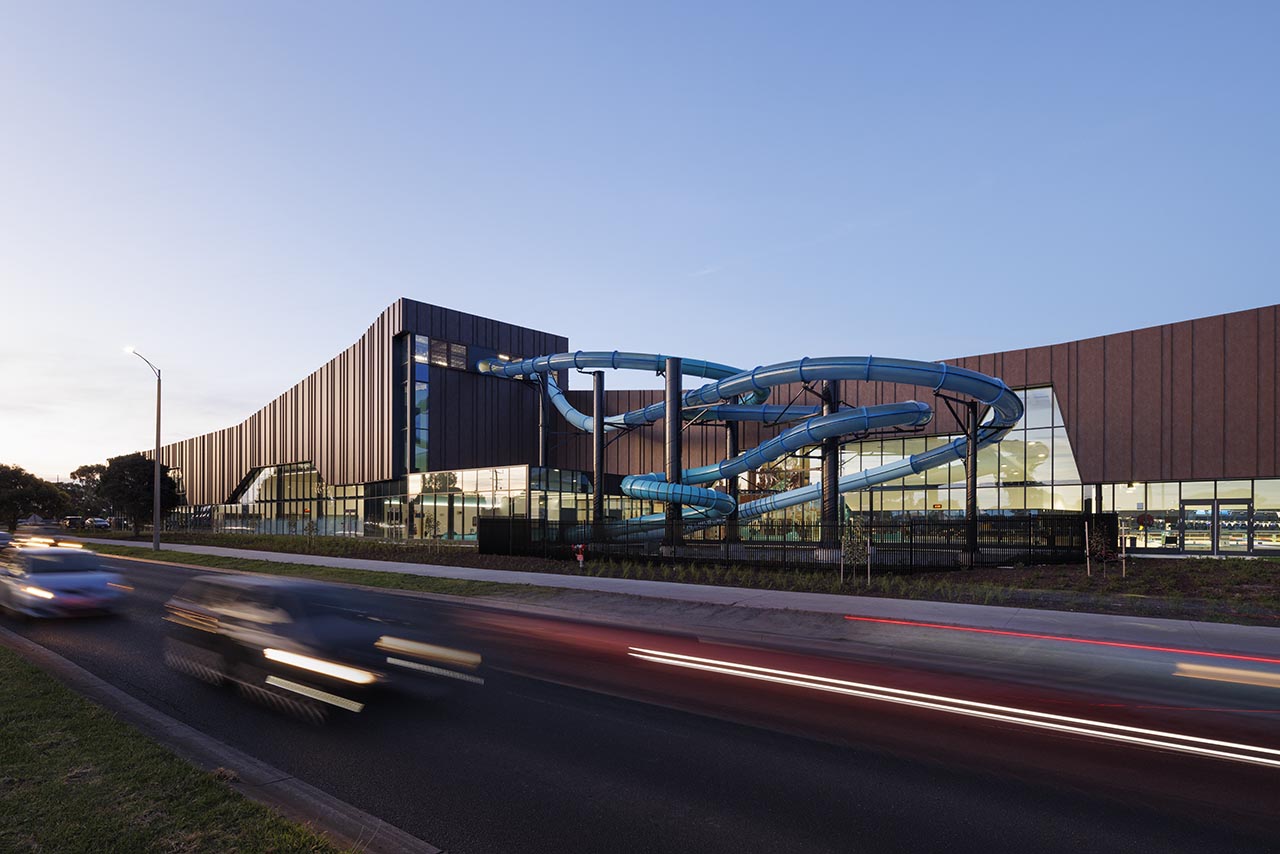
[{"x": 905, "y": 543}]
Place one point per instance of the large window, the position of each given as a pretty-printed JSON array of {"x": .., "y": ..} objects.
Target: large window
[{"x": 1033, "y": 468}]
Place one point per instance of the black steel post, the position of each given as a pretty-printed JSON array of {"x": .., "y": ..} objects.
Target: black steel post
[
  {"x": 597, "y": 447},
  {"x": 830, "y": 470},
  {"x": 544, "y": 423},
  {"x": 731, "y": 533},
  {"x": 675, "y": 457},
  {"x": 971, "y": 484}
]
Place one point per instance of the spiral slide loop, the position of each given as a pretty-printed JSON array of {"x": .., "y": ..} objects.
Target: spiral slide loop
[{"x": 737, "y": 395}]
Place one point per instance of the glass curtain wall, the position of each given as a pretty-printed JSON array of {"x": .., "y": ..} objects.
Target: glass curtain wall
[
  {"x": 1032, "y": 469},
  {"x": 446, "y": 505},
  {"x": 1226, "y": 516},
  {"x": 418, "y": 402}
]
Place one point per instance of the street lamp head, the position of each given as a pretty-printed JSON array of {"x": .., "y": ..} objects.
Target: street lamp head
[{"x": 129, "y": 350}]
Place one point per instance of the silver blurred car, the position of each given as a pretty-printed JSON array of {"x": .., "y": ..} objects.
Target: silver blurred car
[{"x": 58, "y": 582}]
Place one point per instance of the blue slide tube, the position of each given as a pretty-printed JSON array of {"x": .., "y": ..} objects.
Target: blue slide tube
[{"x": 739, "y": 395}]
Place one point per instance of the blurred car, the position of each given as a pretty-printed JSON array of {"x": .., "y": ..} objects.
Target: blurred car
[
  {"x": 59, "y": 582},
  {"x": 101, "y": 524},
  {"x": 72, "y": 522},
  {"x": 297, "y": 645},
  {"x": 5, "y": 539}
]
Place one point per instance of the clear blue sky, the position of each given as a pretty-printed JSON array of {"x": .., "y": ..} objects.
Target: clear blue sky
[{"x": 239, "y": 188}]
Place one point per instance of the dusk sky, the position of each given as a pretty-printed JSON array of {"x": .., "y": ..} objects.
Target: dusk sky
[{"x": 238, "y": 189}]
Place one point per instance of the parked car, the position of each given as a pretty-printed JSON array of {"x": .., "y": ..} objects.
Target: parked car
[
  {"x": 59, "y": 582},
  {"x": 72, "y": 521},
  {"x": 99, "y": 523},
  {"x": 299, "y": 646}
]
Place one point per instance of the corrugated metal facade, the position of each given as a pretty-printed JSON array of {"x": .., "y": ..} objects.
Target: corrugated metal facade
[
  {"x": 1183, "y": 401},
  {"x": 343, "y": 417}
]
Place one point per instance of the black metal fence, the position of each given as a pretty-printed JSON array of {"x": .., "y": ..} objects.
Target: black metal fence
[{"x": 890, "y": 544}]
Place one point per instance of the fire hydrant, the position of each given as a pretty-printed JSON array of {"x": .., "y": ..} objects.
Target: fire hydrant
[{"x": 580, "y": 552}]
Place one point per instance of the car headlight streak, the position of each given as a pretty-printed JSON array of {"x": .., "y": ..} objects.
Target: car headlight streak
[
  {"x": 319, "y": 665},
  {"x": 38, "y": 592},
  {"x": 1213, "y": 748}
]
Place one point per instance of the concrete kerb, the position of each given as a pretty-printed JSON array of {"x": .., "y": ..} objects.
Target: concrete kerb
[{"x": 345, "y": 825}]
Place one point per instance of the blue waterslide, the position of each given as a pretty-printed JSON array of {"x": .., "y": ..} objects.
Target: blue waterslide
[{"x": 738, "y": 395}]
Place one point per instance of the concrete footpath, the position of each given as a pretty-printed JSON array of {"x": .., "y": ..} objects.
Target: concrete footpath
[{"x": 694, "y": 604}]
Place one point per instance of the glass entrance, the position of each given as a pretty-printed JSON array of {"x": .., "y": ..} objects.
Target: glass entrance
[
  {"x": 1217, "y": 527},
  {"x": 1197, "y": 526},
  {"x": 1234, "y": 528}
]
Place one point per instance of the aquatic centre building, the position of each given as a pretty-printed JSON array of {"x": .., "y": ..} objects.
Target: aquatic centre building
[{"x": 408, "y": 433}]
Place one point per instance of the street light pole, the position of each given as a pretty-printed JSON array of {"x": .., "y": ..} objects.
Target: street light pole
[{"x": 155, "y": 487}]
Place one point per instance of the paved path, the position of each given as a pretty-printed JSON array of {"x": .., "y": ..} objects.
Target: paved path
[{"x": 1222, "y": 637}]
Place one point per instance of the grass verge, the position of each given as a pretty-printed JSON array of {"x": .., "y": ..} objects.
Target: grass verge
[
  {"x": 438, "y": 552},
  {"x": 1233, "y": 590},
  {"x": 369, "y": 578},
  {"x": 74, "y": 778}
]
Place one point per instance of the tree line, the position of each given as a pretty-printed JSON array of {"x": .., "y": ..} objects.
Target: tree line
[{"x": 121, "y": 487}]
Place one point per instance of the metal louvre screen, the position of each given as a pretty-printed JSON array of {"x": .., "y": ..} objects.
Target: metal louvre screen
[{"x": 906, "y": 543}]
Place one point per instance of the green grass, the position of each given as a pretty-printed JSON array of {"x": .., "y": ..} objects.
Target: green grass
[
  {"x": 369, "y": 578},
  {"x": 1224, "y": 590},
  {"x": 75, "y": 779}
]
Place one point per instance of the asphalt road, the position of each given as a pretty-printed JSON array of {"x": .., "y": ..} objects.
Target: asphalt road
[{"x": 573, "y": 745}]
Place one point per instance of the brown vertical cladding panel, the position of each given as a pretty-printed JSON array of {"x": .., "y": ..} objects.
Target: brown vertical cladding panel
[
  {"x": 1268, "y": 386},
  {"x": 1117, "y": 394},
  {"x": 1059, "y": 376},
  {"x": 1147, "y": 436},
  {"x": 1039, "y": 366},
  {"x": 1089, "y": 437},
  {"x": 1012, "y": 368},
  {"x": 1180, "y": 426},
  {"x": 1275, "y": 422},
  {"x": 1241, "y": 421},
  {"x": 1207, "y": 422}
]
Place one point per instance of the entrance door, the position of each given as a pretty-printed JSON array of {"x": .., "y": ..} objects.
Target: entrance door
[
  {"x": 1235, "y": 535},
  {"x": 1217, "y": 527},
  {"x": 1197, "y": 526}
]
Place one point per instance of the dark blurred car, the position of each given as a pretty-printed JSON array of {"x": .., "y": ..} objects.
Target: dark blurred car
[
  {"x": 97, "y": 523},
  {"x": 5, "y": 539},
  {"x": 58, "y": 582},
  {"x": 297, "y": 645},
  {"x": 72, "y": 522}
]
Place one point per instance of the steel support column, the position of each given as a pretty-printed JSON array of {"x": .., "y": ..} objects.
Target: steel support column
[
  {"x": 971, "y": 483},
  {"x": 597, "y": 447},
  {"x": 830, "y": 470},
  {"x": 675, "y": 456},
  {"x": 731, "y": 485},
  {"x": 544, "y": 423}
]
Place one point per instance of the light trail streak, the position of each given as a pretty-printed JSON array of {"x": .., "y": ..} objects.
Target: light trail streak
[
  {"x": 971, "y": 708},
  {"x": 1063, "y": 639},
  {"x": 1227, "y": 674}
]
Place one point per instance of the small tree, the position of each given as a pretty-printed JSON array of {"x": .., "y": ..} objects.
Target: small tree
[
  {"x": 23, "y": 493},
  {"x": 854, "y": 549},
  {"x": 127, "y": 484},
  {"x": 86, "y": 489}
]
